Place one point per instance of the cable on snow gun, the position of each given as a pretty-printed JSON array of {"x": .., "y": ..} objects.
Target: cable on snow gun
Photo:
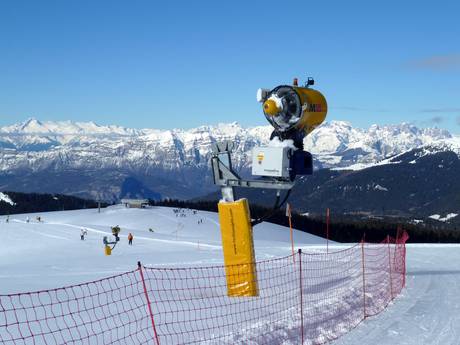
[{"x": 115, "y": 232}]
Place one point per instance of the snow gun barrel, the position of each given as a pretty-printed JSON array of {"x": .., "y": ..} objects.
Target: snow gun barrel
[{"x": 293, "y": 111}]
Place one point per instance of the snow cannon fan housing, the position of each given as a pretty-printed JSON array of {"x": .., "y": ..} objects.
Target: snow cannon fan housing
[{"x": 293, "y": 111}]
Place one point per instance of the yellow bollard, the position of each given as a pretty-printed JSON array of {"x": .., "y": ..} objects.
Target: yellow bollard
[
  {"x": 107, "y": 250},
  {"x": 238, "y": 247}
]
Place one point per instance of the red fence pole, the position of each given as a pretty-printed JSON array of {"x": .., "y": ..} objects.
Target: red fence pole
[
  {"x": 327, "y": 230},
  {"x": 364, "y": 277},
  {"x": 389, "y": 266},
  {"x": 405, "y": 272},
  {"x": 404, "y": 257},
  {"x": 148, "y": 302},
  {"x": 301, "y": 294}
]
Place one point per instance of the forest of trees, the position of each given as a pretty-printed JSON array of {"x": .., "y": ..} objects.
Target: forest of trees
[
  {"x": 34, "y": 202},
  {"x": 340, "y": 230}
]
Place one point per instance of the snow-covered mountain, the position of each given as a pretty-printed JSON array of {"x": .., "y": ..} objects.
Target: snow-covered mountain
[
  {"x": 95, "y": 161},
  {"x": 36, "y": 145},
  {"x": 338, "y": 144}
]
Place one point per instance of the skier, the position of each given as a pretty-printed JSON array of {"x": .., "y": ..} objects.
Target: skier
[
  {"x": 130, "y": 239},
  {"x": 27, "y": 219},
  {"x": 8, "y": 219},
  {"x": 83, "y": 233}
]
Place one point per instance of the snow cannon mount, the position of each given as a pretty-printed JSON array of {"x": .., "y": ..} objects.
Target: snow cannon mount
[{"x": 293, "y": 112}]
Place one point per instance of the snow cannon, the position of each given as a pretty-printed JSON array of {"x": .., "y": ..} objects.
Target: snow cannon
[
  {"x": 293, "y": 111},
  {"x": 115, "y": 232}
]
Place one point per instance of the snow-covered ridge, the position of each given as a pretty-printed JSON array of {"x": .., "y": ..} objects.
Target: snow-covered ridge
[
  {"x": 338, "y": 144},
  {"x": 34, "y": 145},
  {"x": 443, "y": 219},
  {"x": 35, "y": 127},
  {"x": 7, "y": 199}
]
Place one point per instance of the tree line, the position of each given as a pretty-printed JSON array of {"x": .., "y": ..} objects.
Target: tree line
[
  {"x": 341, "y": 229},
  {"x": 34, "y": 202}
]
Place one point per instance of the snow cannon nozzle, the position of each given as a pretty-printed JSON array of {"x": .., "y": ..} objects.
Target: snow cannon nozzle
[
  {"x": 271, "y": 108},
  {"x": 293, "y": 111}
]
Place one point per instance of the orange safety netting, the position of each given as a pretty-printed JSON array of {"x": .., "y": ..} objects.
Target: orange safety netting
[{"x": 303, "y": 299}]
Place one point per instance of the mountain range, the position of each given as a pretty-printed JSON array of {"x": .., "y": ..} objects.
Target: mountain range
[
  {"x": 421, "y": 184},
  {"x": 110, "y": 162}
]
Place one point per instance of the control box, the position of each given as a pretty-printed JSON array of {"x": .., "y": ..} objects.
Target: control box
[{"x": 271, "y": 161}]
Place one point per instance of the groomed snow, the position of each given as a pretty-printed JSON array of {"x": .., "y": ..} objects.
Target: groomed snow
[
  {"x": 428, "y": 310},
  {"x": 50, "y": 254}
]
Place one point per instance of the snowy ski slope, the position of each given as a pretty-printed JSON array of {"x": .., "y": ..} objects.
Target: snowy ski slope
[
  {"x": 50, "y": 254},
  {"x": 428, "y": 310}
]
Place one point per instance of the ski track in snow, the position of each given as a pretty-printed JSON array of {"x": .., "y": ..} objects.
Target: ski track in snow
[
  {"x": 427, "y": 311},
  {"x": 140, "y": 237}
]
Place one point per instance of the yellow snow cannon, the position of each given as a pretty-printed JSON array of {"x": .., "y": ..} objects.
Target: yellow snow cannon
[{"x": 292, "y": 110}]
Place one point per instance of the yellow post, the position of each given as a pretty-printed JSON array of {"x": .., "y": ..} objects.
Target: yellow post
[
  {"x": 238, "y": 247},
  {"x": 107, "y": 250}
]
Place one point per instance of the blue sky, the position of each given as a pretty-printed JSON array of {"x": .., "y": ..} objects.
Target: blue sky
[{"x": 184, "y": 64}]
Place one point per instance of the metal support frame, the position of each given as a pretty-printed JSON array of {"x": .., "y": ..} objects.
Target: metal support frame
[
  {"x": 227, "y": 178},
  {"x": 235, "y": 222}
]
